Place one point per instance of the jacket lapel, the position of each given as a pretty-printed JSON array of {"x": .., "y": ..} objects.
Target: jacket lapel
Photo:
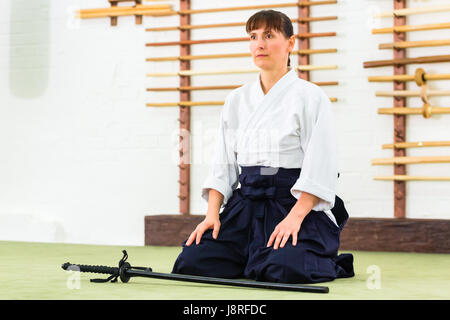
[{"x": 260, "y": 103}]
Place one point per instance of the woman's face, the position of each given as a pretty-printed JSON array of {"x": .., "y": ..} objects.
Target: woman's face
[{"x": 270, "y": 49}]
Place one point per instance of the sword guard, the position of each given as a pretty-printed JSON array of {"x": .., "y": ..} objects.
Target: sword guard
[
  {"x": 123, "y": 267},
  {"x": 122, "y": 272}
]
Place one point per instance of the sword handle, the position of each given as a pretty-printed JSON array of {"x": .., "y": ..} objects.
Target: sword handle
[
  {"x": 114, "y": 273},
  {"x": 89, "y": 268}
]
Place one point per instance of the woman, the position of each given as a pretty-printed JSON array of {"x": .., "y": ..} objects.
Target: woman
[{"x": 284, "y": 223}]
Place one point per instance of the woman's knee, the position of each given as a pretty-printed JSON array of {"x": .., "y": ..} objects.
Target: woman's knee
[
  {"x": 188, "y": 260},
  {"x": 296, "y": 265},
  {"x": 287, "y": 265},
  {"x": 209, "y": 262}
]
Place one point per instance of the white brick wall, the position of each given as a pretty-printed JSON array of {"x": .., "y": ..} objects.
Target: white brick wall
[{"x": 83, "y": 160}]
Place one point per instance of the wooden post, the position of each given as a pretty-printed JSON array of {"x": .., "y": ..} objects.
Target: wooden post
[
  {"x": 399, "y": 120},
  {"x": 113, "y": 19},
  {"x": 185, "y": 113},
  {"x": 303, "y": 43},
  {"x": 138, "y": 18}
]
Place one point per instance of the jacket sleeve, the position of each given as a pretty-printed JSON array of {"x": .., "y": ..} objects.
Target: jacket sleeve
[
  {"x": 223, "y": 175},
  {"x": 319, "y": 171}
]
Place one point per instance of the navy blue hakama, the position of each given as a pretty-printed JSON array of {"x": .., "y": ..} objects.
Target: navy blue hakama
[{"x": 247, "y": 221}]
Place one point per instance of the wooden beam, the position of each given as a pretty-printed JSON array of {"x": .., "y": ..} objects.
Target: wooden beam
[
  {"x": 191, "y": 88},
  {"x": 405, "y": 61},
  {"x": 231, "y": 24},
  {"x": 366, "y": 234},
  {"x": 223, "y": 40},
  {"x": 266, "y": 6},
  {"x": 402, "y": 12},
  {"x": 230, "y": 71},
  {"x": 236, "y": 55},
  {"x": 414, "y": 111},
  {"x": 408, "y": 77},
  {"x": 418, "y": 144},
  {"x": 412, "y": 93},
  {"x": 411, "y": 160},
  {"x": 414, "y": 44},
  {"x": 422, "y": 27}
]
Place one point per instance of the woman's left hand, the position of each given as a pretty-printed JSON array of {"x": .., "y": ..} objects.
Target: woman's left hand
[{"x": 290, "y": 225}]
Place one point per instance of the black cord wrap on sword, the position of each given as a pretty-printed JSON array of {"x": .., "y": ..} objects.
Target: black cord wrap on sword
[{"x": 114, "y": 272}]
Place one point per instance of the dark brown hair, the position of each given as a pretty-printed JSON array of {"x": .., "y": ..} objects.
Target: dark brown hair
[{"x": 271, "y": 20}]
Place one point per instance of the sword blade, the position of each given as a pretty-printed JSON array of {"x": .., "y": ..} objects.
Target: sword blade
[{"x": 224, "y": 281}]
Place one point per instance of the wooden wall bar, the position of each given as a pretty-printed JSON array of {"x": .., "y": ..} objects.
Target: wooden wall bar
[
  {"x": 399, "y": 119},
  {"x": 303, "y": 43},
  {"x": 185, "y": 114}
]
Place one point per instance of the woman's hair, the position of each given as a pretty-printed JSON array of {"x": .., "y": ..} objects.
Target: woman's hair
[{"x": 272, "y": 20}]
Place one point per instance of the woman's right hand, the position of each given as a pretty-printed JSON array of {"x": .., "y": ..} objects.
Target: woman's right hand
[{"x": 211, "y": 221}]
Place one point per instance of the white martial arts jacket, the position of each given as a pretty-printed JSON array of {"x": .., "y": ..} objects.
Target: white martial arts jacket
[{"x": 292, "y": 126}]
